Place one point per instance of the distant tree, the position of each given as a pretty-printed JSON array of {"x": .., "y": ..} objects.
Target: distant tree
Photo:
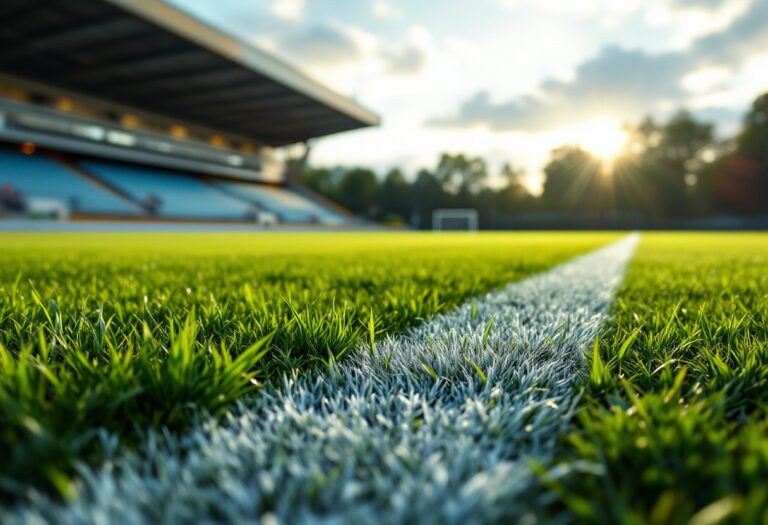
[
  {"x": 736, "y": 185},
  {"x": 739, "y": 180},
  {"x": 660, "y": 177},
  {"x": 682, "y": 138},
  {"x": 321, "y": 180},
  {"x": 394, "y": 198},
  {"x": 514, "y": 196},
  {"x": 461, "y": 174},
  {"x": 499, "y": 206},
  {"x": 752, "y": 142},
  {"x": 648, "y": 134},
  {"x": 357, "y": 191},
  {"x": 428, "y": 195},
  {"x": 511, "y": 176},
  {"x": 515, "y": 199},
  {"x": 571, "y": 180},
  {"x": 487, "y": 202}
]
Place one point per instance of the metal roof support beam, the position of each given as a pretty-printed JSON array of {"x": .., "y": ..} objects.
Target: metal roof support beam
[
  {"x": 251, "y": 106},
  {"x": 237, "y": 93},
  {"x": 142, "y": 65},
  {"x": 189, "y": 81},
  {"x": 281, "y": 115},
  {"x": 95, "y": 31}
]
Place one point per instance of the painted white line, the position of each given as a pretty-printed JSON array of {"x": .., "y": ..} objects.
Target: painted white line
[{"x": 435, "y": 427}]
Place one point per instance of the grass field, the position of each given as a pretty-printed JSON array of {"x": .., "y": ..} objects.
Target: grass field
[
  {"x": 674, "y": 418},
  {"x": 120, "y": 334}
]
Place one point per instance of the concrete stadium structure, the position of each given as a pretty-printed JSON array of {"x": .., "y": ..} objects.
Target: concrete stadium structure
[{"x": 133, "y": 109}]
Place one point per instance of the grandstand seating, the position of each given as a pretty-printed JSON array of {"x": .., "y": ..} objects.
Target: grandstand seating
[
  {"x": 37, "y": 177},
  {"x": 178, "y": 195},
  {"x": 45, "y": 184},
  {"x": 288, "y": 205}
]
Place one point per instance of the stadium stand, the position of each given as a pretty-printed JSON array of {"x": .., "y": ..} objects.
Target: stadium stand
[
  {"x": 288, "y": 205},
  {"x": 135, "y": 109},
  {"x": 170, "y": 195},
  {"x": 42, "y": 183}
]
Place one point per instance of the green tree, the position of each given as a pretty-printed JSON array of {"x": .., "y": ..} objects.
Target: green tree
[
  {"x": 321, "y": 180},
  {"x": 661, "y": 177},
  {"x": 570, "y": 180},
  {"x": 513, "y": 197},
  {"x": 682, "y": 138},
  {"x": 461, "y": 174},
  {"x": 739, "y": 180},
  {"x": 428, "y": 195},
  {"x": 511, "y": 176},
  {"x": 357, "y": 191},
  {"x": 674, "y": 161},
  {"x": 394, "y": 198},
  {"x": 752, "y": 142}
]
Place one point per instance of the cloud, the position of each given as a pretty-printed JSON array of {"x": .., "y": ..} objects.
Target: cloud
[
  {"x": 722, "y": 117},
  {"x": 334, "y": 46},
  {"x": 341, "y": 52},
  {"x": 702, "y": 4},
  {"x": 288, "y": 9},
  {"x": 410, "y": 57},
  {"x": 321, "y": 44},
  {"x": 734, "y": 45},
  {"x": 407, "y": 59},
  {"x": 383, "y": 9},
  {"x": 617, "y": 82}
]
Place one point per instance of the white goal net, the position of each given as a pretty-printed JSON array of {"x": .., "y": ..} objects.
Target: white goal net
[{"x": 454, "y": 219}]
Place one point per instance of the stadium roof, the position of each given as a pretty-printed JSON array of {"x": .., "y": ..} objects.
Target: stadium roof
[{"x": 151, "y": 56}]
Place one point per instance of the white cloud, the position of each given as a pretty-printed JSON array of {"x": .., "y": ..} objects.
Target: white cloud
[
  {"x": 735, "y": 90},
  {"x": 352, "y": 60},
  {"x": 622, "y": 83},
  {"x": 693, "y": 19},
  {"x": 289, "y": 9},
  {"x": 687, "y": 20},
  {"x": 581, "y": 8},
  {"x": 383, "y": 9},
  {"x": 605, "y": 12},
  {"x": 705, "y": 80},
  {"x": 321, "y": 45},
  {"x": 410, "y": 57}
]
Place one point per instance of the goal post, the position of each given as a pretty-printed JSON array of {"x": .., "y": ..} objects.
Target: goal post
[{"x": 454, "y": 219}]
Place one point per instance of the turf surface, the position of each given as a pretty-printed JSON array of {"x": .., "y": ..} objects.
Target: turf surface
[
  {"x": 432, "y": 426},
  {"x": 109, "y": 335},
  {"x": 673, "y": 427}
]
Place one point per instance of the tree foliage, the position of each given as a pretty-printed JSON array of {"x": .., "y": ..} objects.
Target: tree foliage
[{"x": 669, "y": 172}]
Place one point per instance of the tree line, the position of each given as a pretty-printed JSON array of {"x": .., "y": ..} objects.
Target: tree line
[{"x": 669, "y": 174}]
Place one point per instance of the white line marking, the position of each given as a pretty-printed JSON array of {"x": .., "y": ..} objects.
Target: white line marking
[{"x": 378, "y": 439}]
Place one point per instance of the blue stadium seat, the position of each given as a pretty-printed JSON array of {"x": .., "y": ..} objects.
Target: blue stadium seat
[
  {"x": 36, "y": 176},
  {"x": 289, "y": 205},
  {"x": 180, "y": 196}
]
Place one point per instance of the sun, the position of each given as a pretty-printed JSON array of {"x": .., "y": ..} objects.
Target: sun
[{"x": 603, "y": 138}]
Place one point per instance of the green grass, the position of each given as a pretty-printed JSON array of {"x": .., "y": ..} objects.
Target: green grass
[
  {"x": 674, "y": 426},
  {"x": 110, "y": 335}
]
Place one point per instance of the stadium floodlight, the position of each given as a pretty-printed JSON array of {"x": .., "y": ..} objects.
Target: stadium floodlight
[{"x": 454, "y": 219}]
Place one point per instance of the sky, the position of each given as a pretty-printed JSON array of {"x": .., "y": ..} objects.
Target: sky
[{"x": 508, "y": 80}]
